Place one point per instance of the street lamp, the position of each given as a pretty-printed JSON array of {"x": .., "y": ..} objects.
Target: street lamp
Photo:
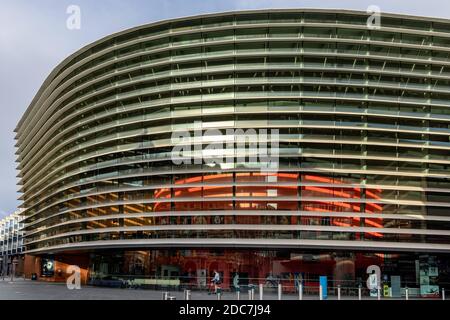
[{"x": 13, "y": 267}]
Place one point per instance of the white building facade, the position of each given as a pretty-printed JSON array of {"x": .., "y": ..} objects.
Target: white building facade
[{"x": 11, "y": 242}]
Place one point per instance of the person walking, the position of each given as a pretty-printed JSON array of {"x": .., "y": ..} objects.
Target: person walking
[
  {"x": 236, "y": 282},
  {"x": 215, "y": 280}
]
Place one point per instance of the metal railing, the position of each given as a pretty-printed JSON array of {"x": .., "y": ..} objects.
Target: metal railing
[{"x": 269, "y": 288}]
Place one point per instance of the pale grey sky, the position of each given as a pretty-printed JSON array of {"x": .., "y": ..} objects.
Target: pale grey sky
[{"x": 34, "y": 39}]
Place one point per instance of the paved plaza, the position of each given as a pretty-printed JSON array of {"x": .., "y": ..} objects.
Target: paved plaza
[{"x": 35, "y": 290}]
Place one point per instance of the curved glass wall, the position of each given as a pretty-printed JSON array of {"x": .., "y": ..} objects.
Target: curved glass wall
[{"x": 364, "y": 135}]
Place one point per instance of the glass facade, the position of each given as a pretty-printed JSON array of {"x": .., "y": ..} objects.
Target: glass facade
[
  {"x": 193, "y": 268},
  {"x": 364, "y": 136},
  {"x": 11, "y": 243}
]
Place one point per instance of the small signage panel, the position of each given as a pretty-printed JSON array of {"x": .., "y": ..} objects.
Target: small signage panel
[
  {"x": 47, "y": 267},
  {"x": 323, "y": 283},
  {"x": 395, "y": 285}
]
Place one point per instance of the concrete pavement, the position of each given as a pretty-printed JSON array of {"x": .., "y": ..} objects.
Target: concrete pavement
[{"x": 22, "y": 289}]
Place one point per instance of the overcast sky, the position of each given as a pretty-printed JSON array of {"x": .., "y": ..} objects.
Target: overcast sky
[{"x": 34, "y": 39}]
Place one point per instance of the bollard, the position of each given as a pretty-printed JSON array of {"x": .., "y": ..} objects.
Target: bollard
[
  {"x": 261, "y": 291},
  {"x": 339, "y": 292},
  {"x": 406, "y": 293},
  {"x": 443, "y": 294},
  {"x": 300, "y": 292},
  {"x": 187, "y": 294},
  {"x": 359, "y": 293},
  {"x": 165, "y": 295},
  {"x": 280, "y": 288},
  {"x": 253, "y": 293},
  {"x": 320, "y": 292},
  {"x": 378, "y": 293},
  {"x": 238, "y": 295},
  {"x": 219, "y": 293}
]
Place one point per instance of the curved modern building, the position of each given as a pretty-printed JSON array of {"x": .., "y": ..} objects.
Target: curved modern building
[{"x": 362, "y": 116}]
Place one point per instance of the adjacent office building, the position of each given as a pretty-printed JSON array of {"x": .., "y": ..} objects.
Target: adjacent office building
[
  {"x": 11, "y": 245},
  {"x": 362, "y": 115}
]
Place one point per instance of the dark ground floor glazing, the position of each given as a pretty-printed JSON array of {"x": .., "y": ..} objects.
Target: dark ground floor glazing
[{"x": 194, "y": 268}]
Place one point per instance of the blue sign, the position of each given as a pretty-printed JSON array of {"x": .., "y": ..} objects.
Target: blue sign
[{"x": 323, "y": 283}]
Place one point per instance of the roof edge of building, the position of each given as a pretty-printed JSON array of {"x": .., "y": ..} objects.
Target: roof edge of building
[{"x": 65, "y": 61}]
